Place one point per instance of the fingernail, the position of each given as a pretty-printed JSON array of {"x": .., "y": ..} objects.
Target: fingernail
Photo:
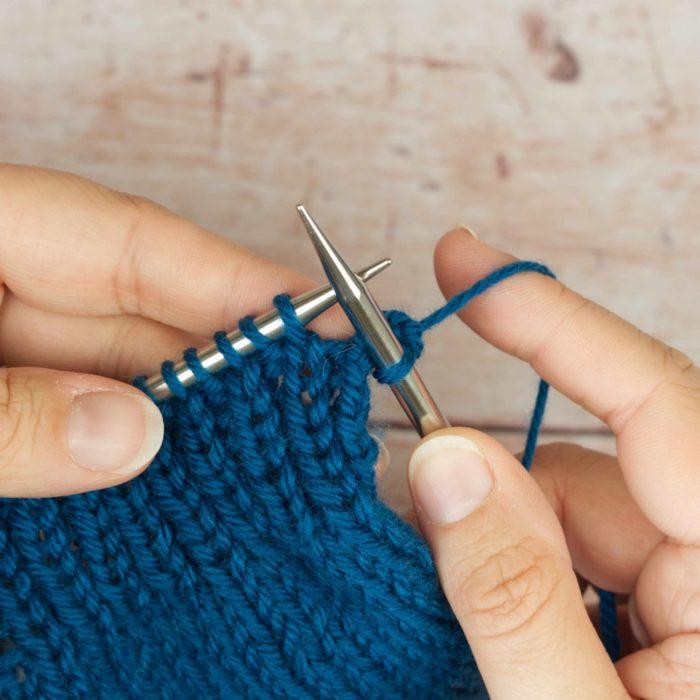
[
  {"x": 449, "y": 478},
  {"x": 109, "y": 431},
  {"x": 466, "y": 229}
]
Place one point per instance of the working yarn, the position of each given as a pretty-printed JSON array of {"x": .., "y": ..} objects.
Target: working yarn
[{"x": 252, "y": 559}]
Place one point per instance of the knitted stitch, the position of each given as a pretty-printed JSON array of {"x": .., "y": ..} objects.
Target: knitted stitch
[{"x": 252, "y": 559}]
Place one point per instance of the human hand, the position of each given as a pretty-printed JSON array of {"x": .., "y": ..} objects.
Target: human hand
[
  {"x": 507, "y": 543},
  {"x": 98, "y": 282}
]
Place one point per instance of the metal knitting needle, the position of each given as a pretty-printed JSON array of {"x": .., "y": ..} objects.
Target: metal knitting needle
[
  {"x": 307, "y": 306},
  {"x": 367, "y": 318}
]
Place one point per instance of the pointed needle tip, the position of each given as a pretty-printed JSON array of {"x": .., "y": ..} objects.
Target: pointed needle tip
[
  {"x": 307, "y": 219},
  {"x": 321, "y": 243}
]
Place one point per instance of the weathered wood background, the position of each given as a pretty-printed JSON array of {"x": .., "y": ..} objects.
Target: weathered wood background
[{"x": 560, "y": 130}]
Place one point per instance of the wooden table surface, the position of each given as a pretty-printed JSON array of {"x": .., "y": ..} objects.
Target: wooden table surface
[{"x": 563, "y": 131}]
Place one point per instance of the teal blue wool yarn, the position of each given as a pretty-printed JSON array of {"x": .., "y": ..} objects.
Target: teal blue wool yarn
[{"x": 253, "y": 559}]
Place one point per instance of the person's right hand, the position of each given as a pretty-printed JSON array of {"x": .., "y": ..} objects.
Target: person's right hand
[
  {"x": 96, "y": 282},
  {"x": 507, "y": 545}
]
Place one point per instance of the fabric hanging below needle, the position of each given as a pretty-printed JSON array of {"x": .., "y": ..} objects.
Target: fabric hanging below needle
[{"x": 253, "y": 558}]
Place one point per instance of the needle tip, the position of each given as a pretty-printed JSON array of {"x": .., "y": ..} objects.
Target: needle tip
[
  {"x": 312, "y": 229},
  {"x": 344, "y": 280},
  {"x": 306, "y": 218}
]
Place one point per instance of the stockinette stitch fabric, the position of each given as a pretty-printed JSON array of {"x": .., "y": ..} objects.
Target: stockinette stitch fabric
[{"x": 253, "y": 558}]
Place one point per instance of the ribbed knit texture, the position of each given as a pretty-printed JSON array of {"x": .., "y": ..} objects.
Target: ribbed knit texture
[{"x": 252, "y": 559}]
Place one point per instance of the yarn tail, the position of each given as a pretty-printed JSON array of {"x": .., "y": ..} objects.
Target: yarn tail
[
  {"x": 607, "y": 620},
  {"x": 533, "y": 432}
]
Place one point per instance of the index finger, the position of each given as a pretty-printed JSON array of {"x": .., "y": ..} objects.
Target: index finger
[
  {"x": 70, "y": 245},
  {"x": 648, "y": 393}
]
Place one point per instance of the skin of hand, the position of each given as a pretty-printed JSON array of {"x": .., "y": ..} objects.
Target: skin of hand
[
  {"x": 97, "y": 282},
  {"x": 507, "y": 543}
]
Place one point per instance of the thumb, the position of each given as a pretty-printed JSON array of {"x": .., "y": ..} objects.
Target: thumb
[
  {"x": 505, "y": 569},
  {"x": 63, "y": 433}
]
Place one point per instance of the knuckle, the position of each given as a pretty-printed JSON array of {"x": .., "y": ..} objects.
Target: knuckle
[
  {"x": 116, "y": 357},
  {"x": 549, "y": 457},
  {"x": 126, "y": 276},
  {"x": 679, "y": 384},
  {"x": 677, "y": 363},
  {"x": 20, "y": 414},
  {"x": 569, "y": 306},
  {"x": 552, "y": 452},
  {"x": 676, "y": 389},
  {"x": 506, "y": 592}
]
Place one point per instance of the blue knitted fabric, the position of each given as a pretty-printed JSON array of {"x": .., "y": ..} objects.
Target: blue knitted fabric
[{"x": 252, "y": 559}]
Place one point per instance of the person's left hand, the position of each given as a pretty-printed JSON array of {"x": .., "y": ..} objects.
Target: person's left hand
[{"x": 96, "y": 282}]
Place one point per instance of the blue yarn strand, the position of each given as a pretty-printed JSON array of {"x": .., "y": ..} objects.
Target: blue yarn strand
[
  {"x": 533, "y": 432},
  {"x": 607, "y": 622},
  {"x": 410, "y": 331},
  {"x": 459, "y": 301}
]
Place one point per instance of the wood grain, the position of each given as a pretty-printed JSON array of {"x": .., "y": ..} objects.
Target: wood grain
[{"x": 567, "y": 132}]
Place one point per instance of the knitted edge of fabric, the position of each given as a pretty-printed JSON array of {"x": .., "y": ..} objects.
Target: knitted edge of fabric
[{"x": 253, "y": 558}]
